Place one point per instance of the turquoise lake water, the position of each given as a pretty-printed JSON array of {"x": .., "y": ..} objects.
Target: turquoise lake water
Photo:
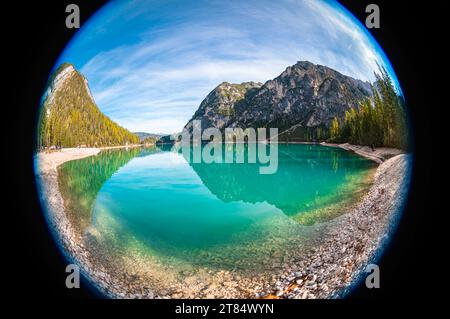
[{"x": 158, "y": 201}]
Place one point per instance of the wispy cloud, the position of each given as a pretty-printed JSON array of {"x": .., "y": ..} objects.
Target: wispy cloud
[{"x": 155, "y": 79}]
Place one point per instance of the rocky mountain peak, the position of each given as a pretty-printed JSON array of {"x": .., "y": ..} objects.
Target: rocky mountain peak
[
  {"x": 64, "y": 72},
  {"x": 61, "y": 79},
  {"x": 223, "y": 103},
  {"x": 302, "y": 97}
]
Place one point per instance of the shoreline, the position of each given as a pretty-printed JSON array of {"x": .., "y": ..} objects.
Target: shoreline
[
  {"x": 351, "y": 240},
  {"x": 378, "y": 154}
]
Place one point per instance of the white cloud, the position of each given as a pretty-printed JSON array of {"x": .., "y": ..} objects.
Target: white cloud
[{"x": 157, "y": 83}]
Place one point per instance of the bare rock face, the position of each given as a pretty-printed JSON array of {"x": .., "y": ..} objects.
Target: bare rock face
[
  {"x": 225, "y": 103},
  {"x": 304, "y": 97}
]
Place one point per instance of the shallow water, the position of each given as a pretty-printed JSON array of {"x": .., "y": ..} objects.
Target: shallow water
[{"x": 158, "y": 203}]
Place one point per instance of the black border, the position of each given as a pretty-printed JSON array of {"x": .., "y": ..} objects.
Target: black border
[{"x": 35, "y": 36}]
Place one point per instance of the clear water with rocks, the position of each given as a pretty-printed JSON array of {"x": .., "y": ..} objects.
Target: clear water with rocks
[{"x": 154, "y": 202}]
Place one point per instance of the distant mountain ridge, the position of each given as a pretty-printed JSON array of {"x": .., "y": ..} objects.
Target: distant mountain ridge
[
  {"x": 301, "y": 102},
  {"x": 144, "y": 135},
  {"x": 71, "y": 118}
]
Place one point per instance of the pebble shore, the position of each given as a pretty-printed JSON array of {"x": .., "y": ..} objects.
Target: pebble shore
[
  {"x": 352, "y": 240},
  {"x": 348, "y": 243}
]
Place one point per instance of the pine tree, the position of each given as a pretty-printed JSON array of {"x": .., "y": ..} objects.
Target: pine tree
[
  {"x": 334, "y": 130},
  {"x": 379, "y": 121}
]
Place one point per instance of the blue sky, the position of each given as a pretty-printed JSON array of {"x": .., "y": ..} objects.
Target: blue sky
[{"x": 150, "y": 63}]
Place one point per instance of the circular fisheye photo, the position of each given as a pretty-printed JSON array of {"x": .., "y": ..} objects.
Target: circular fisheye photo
[{"x": 223, "y": 149}]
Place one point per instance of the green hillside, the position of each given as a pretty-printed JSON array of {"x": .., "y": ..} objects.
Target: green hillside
[{"x": 70, "y": 117}]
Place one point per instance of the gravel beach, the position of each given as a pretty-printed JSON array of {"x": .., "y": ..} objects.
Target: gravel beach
[{"x": 348, "y": 243}]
